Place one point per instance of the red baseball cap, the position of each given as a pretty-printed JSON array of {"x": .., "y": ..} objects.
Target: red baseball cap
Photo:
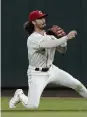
[{"x": 36, "y": 14}]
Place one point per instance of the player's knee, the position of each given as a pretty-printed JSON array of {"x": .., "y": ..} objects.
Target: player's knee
[
  {"x": 32, "y": 106},
  {"x": 35, "y": 106}
]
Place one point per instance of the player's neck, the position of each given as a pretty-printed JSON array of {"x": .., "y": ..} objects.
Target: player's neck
[{"x": 40, "y": 31}]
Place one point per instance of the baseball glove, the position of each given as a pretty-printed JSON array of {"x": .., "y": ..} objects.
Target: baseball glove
[{"x": 56, "y": 31}]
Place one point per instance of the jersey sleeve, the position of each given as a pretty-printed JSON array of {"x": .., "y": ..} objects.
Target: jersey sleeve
[
  {"x": 46, "y": 42},
  {"x": 34, "y": 42}
]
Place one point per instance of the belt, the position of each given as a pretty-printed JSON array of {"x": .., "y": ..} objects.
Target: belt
[{"x": 43, "y": 69}]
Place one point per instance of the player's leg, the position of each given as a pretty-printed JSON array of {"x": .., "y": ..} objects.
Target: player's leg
[
  {"x": 63, "y": 78},
  {"x": 37, "y": 83}
]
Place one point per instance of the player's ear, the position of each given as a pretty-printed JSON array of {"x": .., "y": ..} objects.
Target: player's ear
[{"x": 33, "y": 22}]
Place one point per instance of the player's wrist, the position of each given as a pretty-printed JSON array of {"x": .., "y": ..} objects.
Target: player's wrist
[{"x": 67, "y": 38}]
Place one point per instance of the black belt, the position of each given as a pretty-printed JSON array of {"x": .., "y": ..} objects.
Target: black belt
[{"x": 43, "y": 69}]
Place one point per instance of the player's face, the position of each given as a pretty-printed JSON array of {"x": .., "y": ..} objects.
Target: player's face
[{"x": 40, "y": 23}]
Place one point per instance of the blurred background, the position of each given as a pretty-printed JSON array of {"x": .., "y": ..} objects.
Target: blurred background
[{"x": 68, "y": 14}]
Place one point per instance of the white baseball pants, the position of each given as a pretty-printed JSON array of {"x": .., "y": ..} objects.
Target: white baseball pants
[{"x": 38, "y": 80}]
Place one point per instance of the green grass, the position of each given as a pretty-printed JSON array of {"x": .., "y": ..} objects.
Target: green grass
[
  {"x": 44, "y": 114},
  {"x": 49, "y": 107}
]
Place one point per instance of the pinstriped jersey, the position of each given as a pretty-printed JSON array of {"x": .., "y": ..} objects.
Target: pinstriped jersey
[{"x": 39, "y": 57}]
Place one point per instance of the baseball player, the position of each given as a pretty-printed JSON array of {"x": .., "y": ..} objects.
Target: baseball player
[{"x": 41, "y": 71}]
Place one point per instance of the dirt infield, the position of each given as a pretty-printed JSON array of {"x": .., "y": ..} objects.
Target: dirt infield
[{"x": 56, "y": 92}]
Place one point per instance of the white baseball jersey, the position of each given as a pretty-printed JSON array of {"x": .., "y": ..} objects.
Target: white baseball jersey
[{"x": 39, "y": 57}]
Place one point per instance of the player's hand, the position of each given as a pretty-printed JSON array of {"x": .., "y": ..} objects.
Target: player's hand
[{"x": 72, "y": 34}]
